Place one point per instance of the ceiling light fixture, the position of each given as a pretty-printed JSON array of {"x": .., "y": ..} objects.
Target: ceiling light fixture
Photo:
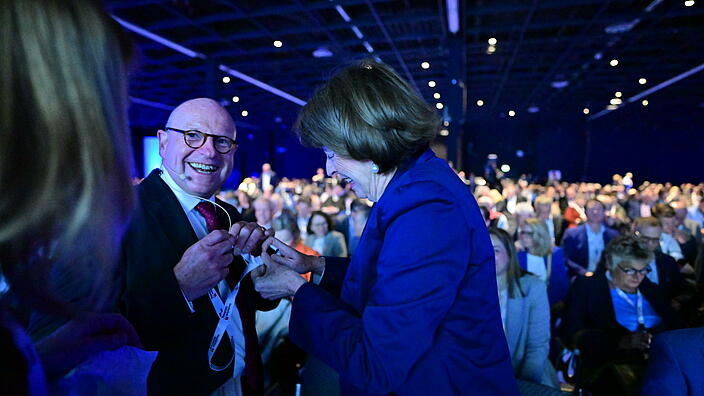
[
  {"x": 444, "y": 132},
  {"x": 453, "y": 16},
  {"x": 278, "y": 44},
  {"x": 492, "y": 41},
  {"x": 689, "y": 3},
  {"x": 642, "y": 81},
  {"x": 226, "y": 79},
  {"x": 511, "y": 113},
  {"x": 436, "y": 95},
  {"x": 439, "y": 105},
  {"x": 618, "y": 94},
  {"x": 644, "y": 102},
  {"x": 425, "y": 65},
  {"x": 431, "y": 84},
  {"x": 614, "y": 62},
  {"x": 586, "y": 110},
  {"x": 480, "y": 103},
  {"x": 245, "y": 113},
  {"x": 235, "y": 99}
]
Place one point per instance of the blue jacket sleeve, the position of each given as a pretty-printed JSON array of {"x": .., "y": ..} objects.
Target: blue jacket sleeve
[
  {"x": 424, "y": 256},
  {"x": 664, "y": 375}
]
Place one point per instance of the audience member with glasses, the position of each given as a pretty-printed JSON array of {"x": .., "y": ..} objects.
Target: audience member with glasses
[
  {"x": 664, "y": 269},
  {"x": 611, "y": 318}
]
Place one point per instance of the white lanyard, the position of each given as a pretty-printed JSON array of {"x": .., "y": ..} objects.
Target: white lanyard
[
  {"x": 639, "y": 301},
  {"x": 224, "y": 311}
]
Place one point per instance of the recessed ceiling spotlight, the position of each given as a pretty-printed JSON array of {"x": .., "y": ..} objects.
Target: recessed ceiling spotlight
[
  {"x": 505, "y": 168},
  {"x": 439, "y": 105},
  {"x": 444, "y": 132},
  {"x": 278, "y": 44},
  {"x": 511, "y": 113},
  {"x": 492, "y": 41},
  {"x": 480, "y": 103},
  {"x": 425, "y": 65},
  {"x": 226, "y": 79},
  {"x": 245, "y": 113},
  {"x": 431, "y": 84},
  {"x": 586, "y": 110},
  {"x": 644, "y": 102},
  {"x": 642, "y": 81},
  {"x": 618, "y": 94},
  {"x": 614, "y": 62},
  {"x": 611, "y": 107},
  {"x": 615, "y": 101},
  {"x": 235, "y": 99},
  {"x": 446, "y": 123},
  {"x": 436, "y": 95},
  {"x": 490, "y": 49},
  {"x": 689, "y": 3}
]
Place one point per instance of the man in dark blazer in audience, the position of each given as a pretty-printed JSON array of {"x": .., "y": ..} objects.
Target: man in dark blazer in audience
[
  {"x": 666, "y": 273},
  {"x": 583, "y": 244},
  {"x": 676, "y": 364},
  {"x": 177, "y": 248}
]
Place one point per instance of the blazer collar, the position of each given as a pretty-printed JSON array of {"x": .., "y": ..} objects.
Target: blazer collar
[
  {"x": 515, "y": 314},
  {"x": 423, "y": 155},
  {"x": 160, "y": 202}
]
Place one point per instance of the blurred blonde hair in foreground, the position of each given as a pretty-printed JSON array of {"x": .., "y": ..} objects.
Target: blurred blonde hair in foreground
[{"x": 65, "y": 152}]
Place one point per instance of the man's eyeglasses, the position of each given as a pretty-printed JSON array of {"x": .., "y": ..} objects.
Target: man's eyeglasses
[
  {"x": 632, "y": 271},
  {"x": 196, "y": 139}
]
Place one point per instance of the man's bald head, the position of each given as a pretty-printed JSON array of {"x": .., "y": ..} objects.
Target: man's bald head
[
  {"x": 203, "y": 110},
  {"x": 203, "y": 170}
]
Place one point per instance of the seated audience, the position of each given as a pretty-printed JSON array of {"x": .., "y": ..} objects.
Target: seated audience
[
  {"x": 353, "y": 225},
  {"x": 264, "y": 210},
  {"x": 543, "y": 260},
  {"x": 524, "y": 312},
  {"x": 583, "y": 244},
  {"x": 674, "y": 241},
  {"x": 611, "y": 318},
  {"x": 323, "y": 238}
]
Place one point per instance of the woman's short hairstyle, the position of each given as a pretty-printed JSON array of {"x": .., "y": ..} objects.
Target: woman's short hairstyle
[
  {"x": 625, "y": 248},
  {"x": 65, "y": 151},
  {"x": 327, "y": 218},
  {"x": 513, "y": 270},
  {"x": 541, "y": 236},
  {"x": 369, "y": 113}
]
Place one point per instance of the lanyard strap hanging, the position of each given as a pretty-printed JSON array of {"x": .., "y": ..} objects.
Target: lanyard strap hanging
[
  {"x": 226, "y": 324},
  {"x": 639, "y": 301}
]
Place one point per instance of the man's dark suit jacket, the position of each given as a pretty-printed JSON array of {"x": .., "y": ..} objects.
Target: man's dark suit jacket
[
  {"x": 669, "y": 277},
  {"x": 157, "y": 237},
  {"x": 676, "y": 364},
  {"x": 589, "y": 321},
  {"x": 576, "y": 244}
]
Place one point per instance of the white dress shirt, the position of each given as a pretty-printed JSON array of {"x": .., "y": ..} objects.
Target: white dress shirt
[
  {"x": 188, "y": 203},
  {"x": 595, "y": 243},
  {"x": 653, "y": 275},
  {"x": 670, "y": 246}
]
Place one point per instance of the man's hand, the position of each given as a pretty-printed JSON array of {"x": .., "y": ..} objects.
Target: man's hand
[
  {"x": 274, "y": 281},
  {"x": 249, "y": 237},
  {"x": 204, "y": 264},
  {"x": 81, "y": 338},
  {"x": 639, "y": 340},
  {"x": 293, "y": 259}
]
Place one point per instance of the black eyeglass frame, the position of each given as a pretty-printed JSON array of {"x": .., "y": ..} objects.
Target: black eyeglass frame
[
  {"x": 233, "y": 143},
  {"x": 631, "y": 271}
]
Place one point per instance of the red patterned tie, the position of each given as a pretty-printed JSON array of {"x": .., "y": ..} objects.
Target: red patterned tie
[{"x": 207, "y": 209}]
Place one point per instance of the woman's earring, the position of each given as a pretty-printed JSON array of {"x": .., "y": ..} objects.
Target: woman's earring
[{"x": 375, "y": 168}]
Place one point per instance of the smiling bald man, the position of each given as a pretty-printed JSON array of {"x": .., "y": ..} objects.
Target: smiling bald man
[{"x": 178, "y": 248}]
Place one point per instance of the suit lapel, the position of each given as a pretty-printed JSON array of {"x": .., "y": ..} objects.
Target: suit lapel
[
  {"x": 161, "y": 203},
  {"x": 515, "y": 318}
]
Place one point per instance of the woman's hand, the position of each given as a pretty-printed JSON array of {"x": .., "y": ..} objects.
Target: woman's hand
[
  {"x": 81, "y": 338},
  {"x": 274, "y": 280},
  {"x": 293, "y": 259},
  {"x": 639, "y": 340}
]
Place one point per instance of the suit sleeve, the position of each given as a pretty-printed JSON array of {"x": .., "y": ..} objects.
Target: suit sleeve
[
  {"x": 664, "y": 375},
  {"x": 423, "y": 258},
  {"x": 538, "y": 341}
]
